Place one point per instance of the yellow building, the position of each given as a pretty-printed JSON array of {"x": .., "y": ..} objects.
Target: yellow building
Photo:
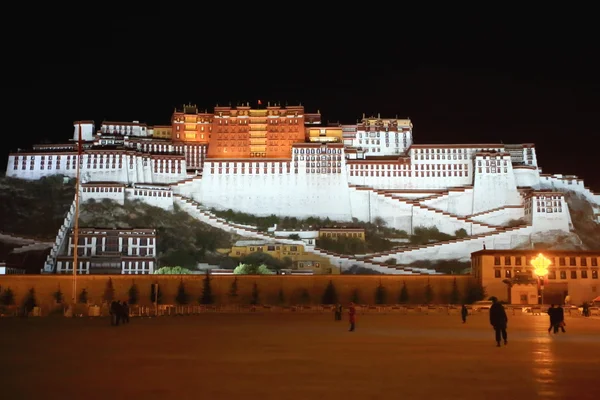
[
  {"x": 334, "y": 233},
  {"x": 325, "y": 134},
  {"x": 510, "y": 276},
  {"x": 162, "y": 132},
  {"x": 301, "y": 260}
]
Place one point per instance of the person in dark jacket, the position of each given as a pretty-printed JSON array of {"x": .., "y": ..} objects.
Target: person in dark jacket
[
  {"x": 560, "y": 319},
  {"x": 352, "y": 317},
  {"x": 338, "y": 312},
  {"x": 115, "y": 313},
  {"x": 499, "y": 320},
  {"x": 463, "y": 313},
  {"x": 125, "y": 312},
  {"x": 553, "y": 322}
]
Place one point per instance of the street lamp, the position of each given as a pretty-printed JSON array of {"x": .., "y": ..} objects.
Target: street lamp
[{"x": 540, "y": 265}]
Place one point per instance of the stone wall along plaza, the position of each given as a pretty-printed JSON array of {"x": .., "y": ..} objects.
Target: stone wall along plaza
[{"x": 268, "y": 287}]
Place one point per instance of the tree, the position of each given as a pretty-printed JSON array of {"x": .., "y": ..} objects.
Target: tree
[
  {"x": 403, "y": 299},
  {"x": 355, "y": 297},
  {"x": 83, "y": 297},
  {"x": 379, "y": 222},
  {"x": 428, "y": 293},
  {"x": 475, "y": 292},
  {"x": 207, "y": 296},
  {"x": 182, "y": 297},
  {"x": 109, "y": 291},
  {"x": 30, "y": 301},
  {"x": 287, "y": 262},
  {"x": 454, "y": 294},
  {"x": 7, "y": 298},
  {"x": 58, "y": 296},
  {"x": 134, "y": 294},
  {"x": 227, "y": 263},
  {"x": 252, "y": 269},
  {"x": 155, "y": 296},
  {"x": 380, "y": 294},
  {"x": 257, "y": 259},
  {"x": 254, "y": 300},
  {"x": 281, "y": 297},
  {"x": 330, "y": 295},
  {"x": 304, "y": 296},
  {"x": 173, "y": 271},
  {"x": 233, "y": 289}
]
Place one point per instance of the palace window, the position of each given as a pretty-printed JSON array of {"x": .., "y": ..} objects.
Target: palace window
[
  {"x": 584, "y": 274},
  {"x": 518, "y": 260},
  {"x": 562, "y": 262},
  {"x": 563, "y": 274}
]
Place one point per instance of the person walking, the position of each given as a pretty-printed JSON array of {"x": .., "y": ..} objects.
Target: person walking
[
  {"x": 338, "y": 312},
  {"x": 499, "y": 320},
  {"x": 114, "y": 313},
  {"x": 463, "y": 313},
  {"x": 552, "y": 313},
  {"x": 560, "y": 319},
  {"x": 125, "y": 311},
  {"x": 352, "y": 317}
]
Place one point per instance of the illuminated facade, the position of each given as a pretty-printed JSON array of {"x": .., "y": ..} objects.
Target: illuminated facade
[
  {"x": 300, "y": 259},
  {"x": 273, "y": 159},
  {"x": 243, "y": 132},
  {"x": 510, "y": 275},
  {"x": 334, "y": 233}
]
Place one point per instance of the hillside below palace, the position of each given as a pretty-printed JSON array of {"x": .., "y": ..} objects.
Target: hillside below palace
[{"x": 283, "y": 160}]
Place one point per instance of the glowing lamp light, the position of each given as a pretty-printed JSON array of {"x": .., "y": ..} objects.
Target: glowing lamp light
[{"x": 540, "y": 265}]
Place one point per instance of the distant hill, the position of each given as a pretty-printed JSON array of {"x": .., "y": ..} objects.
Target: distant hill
[
  {"x": 35, "y": 208},
  {"x": 182, "y": 240},
  {"x": 582, "y": 215}
]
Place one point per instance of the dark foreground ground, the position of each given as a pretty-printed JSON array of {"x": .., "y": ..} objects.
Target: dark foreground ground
[{"x": 297, "y": 356}]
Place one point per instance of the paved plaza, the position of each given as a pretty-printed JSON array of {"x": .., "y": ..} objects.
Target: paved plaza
[{"x": 297, "y": 356}]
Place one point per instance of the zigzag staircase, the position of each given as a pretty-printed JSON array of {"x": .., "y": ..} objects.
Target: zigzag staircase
[
  {"x": 471, "y": 226},
  {"x": 202, "y": 214},
  {"x": 475, "y": 241},
  {"x": 59, "y": 242}
]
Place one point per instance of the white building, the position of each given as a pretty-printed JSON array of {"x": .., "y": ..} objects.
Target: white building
[
  {"x": 110, "y": 251},
  {"x": 4, "y": 270},
  {"x": 374, "y": 170}
]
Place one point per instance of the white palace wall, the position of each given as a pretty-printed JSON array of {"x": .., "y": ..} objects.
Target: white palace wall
[
  {"x": 568, "y": 183},
  {"x": 500, "y": 216},
  {"x": 461, "y": 249},
  {"x": 494, "y": 184},
  {"x": 161, "y": 197},
  {"x": 123, "y": 167},
  {"x": 457, "y": 202},
  {"x": 283, "y": 193},
  {"x": 526, "y": 176}
]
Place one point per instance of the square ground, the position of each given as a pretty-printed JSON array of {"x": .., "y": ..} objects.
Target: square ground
[{"x": 297, "y": 356}]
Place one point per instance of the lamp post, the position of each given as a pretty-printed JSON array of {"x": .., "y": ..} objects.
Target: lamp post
[
  {"x": 340, "y": 262},
  {"x": 540, "y": 265}
]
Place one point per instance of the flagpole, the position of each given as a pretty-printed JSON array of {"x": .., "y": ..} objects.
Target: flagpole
[{"x": 76, "y": 228}]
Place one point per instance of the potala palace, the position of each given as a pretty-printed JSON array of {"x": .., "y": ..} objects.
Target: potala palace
[{"x": 282, "y": 160}]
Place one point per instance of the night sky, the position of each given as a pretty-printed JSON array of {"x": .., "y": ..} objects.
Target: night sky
[{"x": 459, "y": 83}]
